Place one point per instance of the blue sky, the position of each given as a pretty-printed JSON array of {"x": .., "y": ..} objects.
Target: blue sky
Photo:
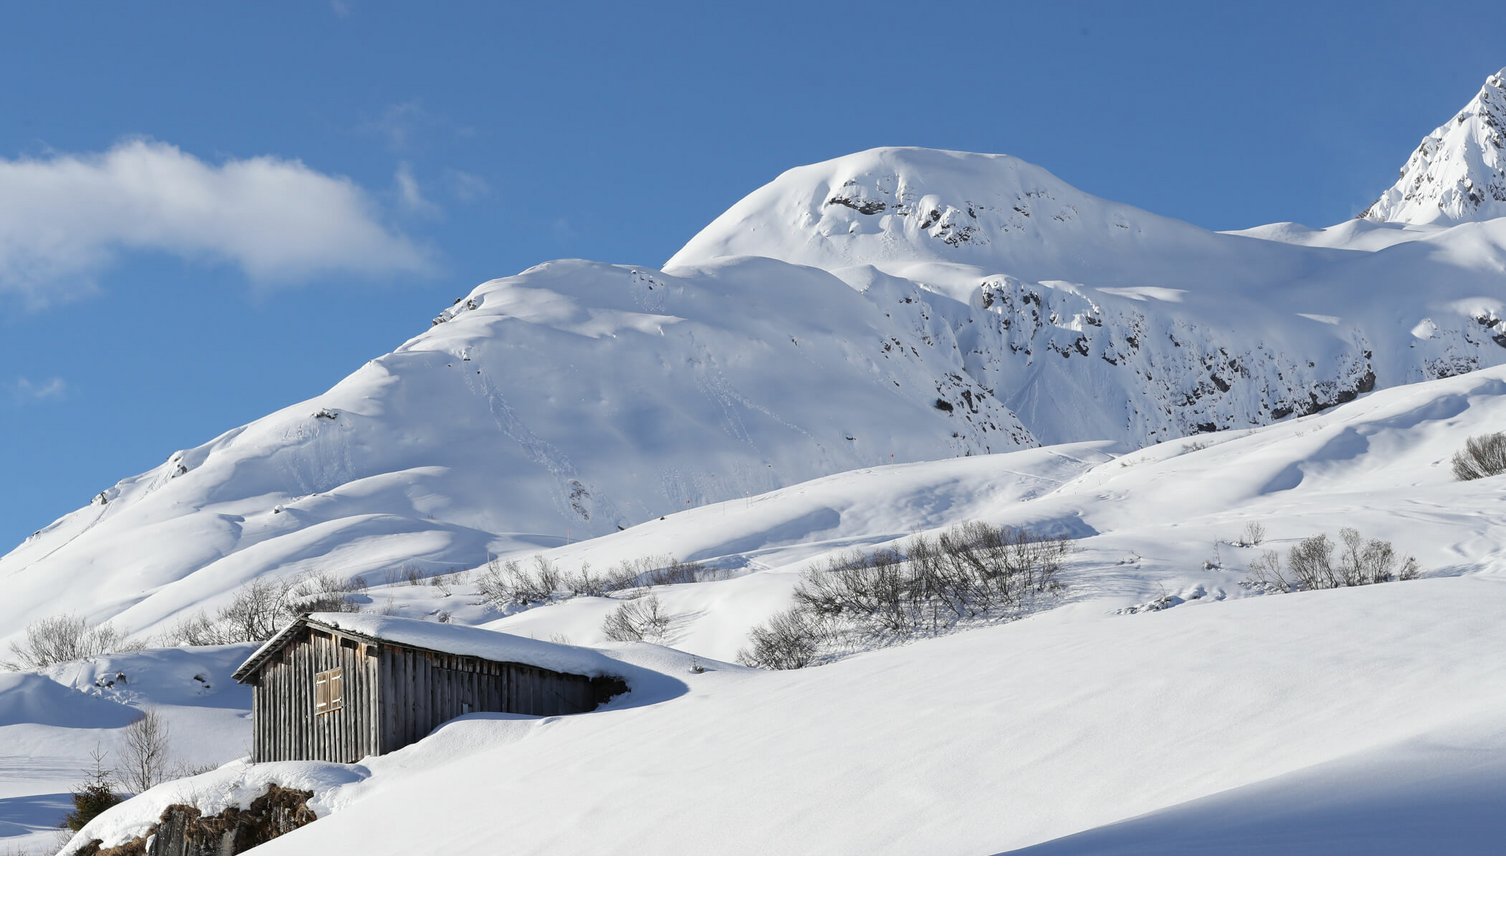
[{"x": 211, "y": 210}]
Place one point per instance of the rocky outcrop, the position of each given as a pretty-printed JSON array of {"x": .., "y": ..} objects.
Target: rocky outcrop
[
  {"x": 184, "y": 831},
  {"x": 1458, "y": 172}
]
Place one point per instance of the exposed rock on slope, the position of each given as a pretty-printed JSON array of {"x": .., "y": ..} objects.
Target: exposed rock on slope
[
  {"x": 1458, "y": 172},
  {"x": 184, "y": 831}
]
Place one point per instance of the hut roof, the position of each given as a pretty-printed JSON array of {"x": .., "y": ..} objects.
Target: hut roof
[{"x": 456, "y": 640}]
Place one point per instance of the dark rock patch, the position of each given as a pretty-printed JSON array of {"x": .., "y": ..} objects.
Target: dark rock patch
[{"x": 184, "y": 831}]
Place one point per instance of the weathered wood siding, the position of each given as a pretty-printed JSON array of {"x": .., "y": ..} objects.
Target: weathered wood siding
[
  {"x": 422, "y": 689},
  {"x": 394, "y": 695},
  {"x": 285, "y": 724}
]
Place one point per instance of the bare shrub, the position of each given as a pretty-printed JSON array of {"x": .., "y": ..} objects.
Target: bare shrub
[
  {"x": 791, "y": 640},
  {"x": 643, "y": 619},
  {"x": 256, "y": 611},
  {"x": 624, "y": 575},
  {"x": 144, "y": 757},
  {"x": 973, "y": 572},
  {"x": 195, "y": 630},
  {"x": 1377, "y": 561},
  {"x": 64, "y": 638},
  {"x": 970, "y": 571},
  {"x": 541, "y": 583},
  {"x": 1313, "y": 566},
  {"x": 673, "y": 571},
  {"x": 585, "y": 583},
  {"x": 1311, "y": 562},
  {"x": 1254, "y": 534},
  {"x": 1216, "y": 561},
  {"x": 188, "y": 770},
  {"x": 1364, "y": 562},
  {"x": 265, "y": 606},
  {"x": 655, "y": 571},
  {"x": 322, "y": 592},
  {"x": 1483, "y": 455},
  {"x": 1267, "y": 569},
  {"x": 512, "y": 583},
  {"x": 491, "y": 583}
]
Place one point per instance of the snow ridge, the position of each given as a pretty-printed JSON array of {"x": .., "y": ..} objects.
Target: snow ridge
[{"x": 1458, "y": 172}]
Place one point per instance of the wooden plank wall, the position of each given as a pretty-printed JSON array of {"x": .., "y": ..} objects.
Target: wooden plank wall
[
  {"x": 423, "y": 689},
  {"x": 393, "y": 696},
  {"x": 283, "y": 702}
]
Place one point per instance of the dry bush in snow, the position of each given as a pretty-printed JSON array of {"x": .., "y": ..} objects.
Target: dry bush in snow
[
  {"x": 970, "y": 573},
  {"x": 1483, "y": 455},
  {"x": 513, "y": 583},
  {"x": 144, "y": 757},
  {"x": 791, "y": 640},
  {"x": 264, "y": 606},
  {"x": 1312, "y": 566},
  {"x": 64, "y": 638},
  {"x": 1254, "y": 534},
  {"x": 322, "y": 592},
  {"x": 643, "y": 619},
  {"x": 519, "y": 583}
]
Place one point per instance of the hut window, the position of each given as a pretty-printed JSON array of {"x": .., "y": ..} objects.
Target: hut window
[{"x": 329, "y": 691}]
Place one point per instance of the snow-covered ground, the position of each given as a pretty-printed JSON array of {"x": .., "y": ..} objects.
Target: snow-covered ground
[
  {"x": 1003, "y": 738},
  {"x": 52, "y": 721},
  {"x": 1197, "y": 722}
]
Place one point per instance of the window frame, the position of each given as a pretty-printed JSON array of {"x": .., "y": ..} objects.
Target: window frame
[{"x": 329, "y": 691}]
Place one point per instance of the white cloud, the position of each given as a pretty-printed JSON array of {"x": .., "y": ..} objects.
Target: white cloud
[
  {"x": 24, "y": 390},
  {"x": 467, "y": 187},
  {"x": 410, "y": 194},
  {"x": 399, "y": 122},
  {"x": 63, "y": 218},
  {"x": 409, "y": 127}
]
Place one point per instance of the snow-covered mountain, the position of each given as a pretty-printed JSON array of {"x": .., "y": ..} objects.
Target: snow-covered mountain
[
  {"x": 1458, "y": 172},
  {"x": 878, "y": 346},
  {"x": 890, "y": 306},
  {"x": 1214, "y": 719}
]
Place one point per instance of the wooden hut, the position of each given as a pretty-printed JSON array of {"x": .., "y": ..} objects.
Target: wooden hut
[{"x": 342, "y": 686}]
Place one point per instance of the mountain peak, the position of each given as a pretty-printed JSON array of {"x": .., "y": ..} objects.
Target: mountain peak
[
  {"x": 893, "y": 206},
  {"x": 1458, "y": 172}
]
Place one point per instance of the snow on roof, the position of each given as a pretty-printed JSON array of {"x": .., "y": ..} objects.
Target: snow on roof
[{"x": 459, "y": 640}]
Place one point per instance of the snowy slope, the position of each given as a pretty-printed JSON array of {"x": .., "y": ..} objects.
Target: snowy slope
[
  {"x": 1145, "y": 522},
  {"x": 1205, "y": 723},
  {"x": 1362, "y": 700},
  {"x": 985, "y": 742},
  {"x": 52, "y": 721}
]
